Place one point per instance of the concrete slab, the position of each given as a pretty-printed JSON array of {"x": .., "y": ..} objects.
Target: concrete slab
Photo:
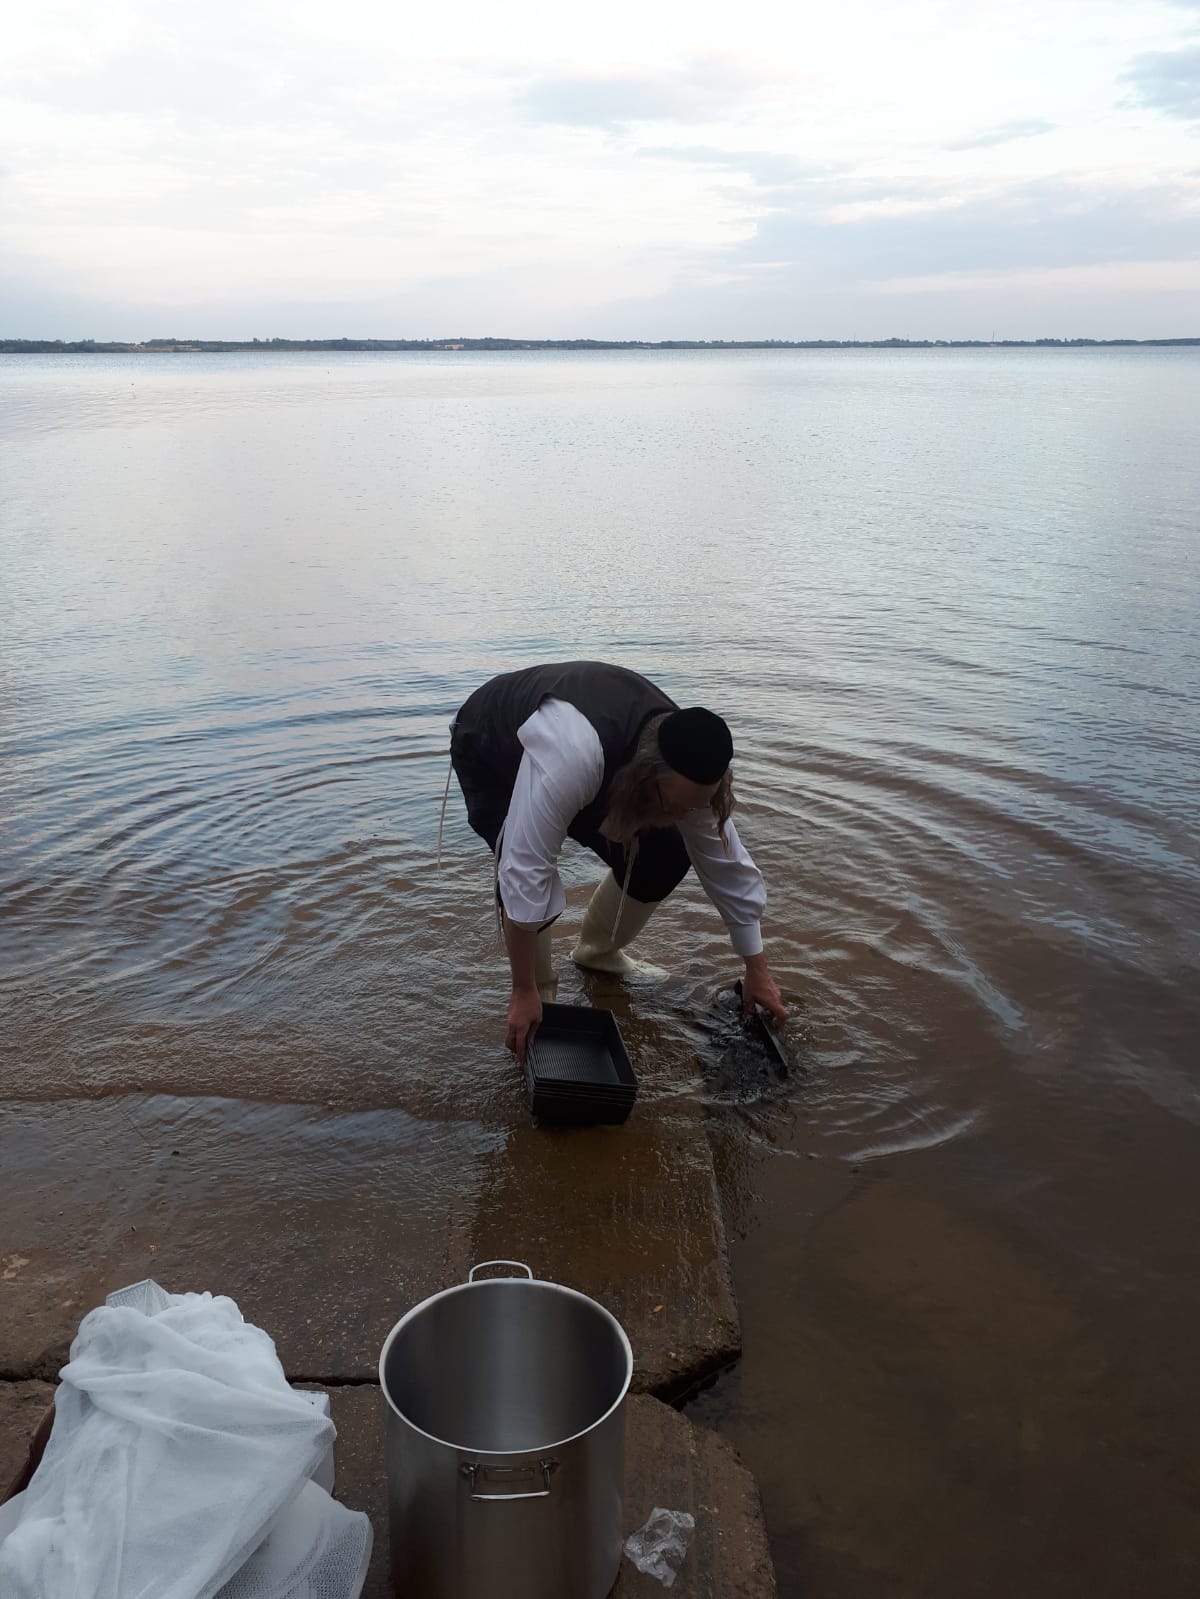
[
  {"x": 327, "y": 1225},
  {"x": 322, "y": 1226},
  {"x": 674, "y": 1463},
  {"x": 631, "y": 1216},
  {"x": 669, "y": 1462},
  {"x": 22, "y": 1406}
]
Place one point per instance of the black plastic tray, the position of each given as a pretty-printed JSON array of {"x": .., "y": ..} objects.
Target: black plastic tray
[{"x": 577, "y": 1069}]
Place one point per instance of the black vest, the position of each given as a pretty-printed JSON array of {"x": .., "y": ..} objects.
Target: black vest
[{"x": 618, "y": 703}]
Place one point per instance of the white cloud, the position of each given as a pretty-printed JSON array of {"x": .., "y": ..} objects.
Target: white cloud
[
  {"x": 708, "y": 89},
  {"x": 1029, "y": 128},
  {"x": 510, "y": 169},
  {"x": 1168, "y": 80},
  {"x": 1123, "y": 277}
]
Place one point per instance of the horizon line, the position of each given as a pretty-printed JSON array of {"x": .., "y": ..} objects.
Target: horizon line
[{"x": 465, "y": 343}]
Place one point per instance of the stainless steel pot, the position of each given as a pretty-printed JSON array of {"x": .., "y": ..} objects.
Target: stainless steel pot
[{"x": 505, "y": 1442}]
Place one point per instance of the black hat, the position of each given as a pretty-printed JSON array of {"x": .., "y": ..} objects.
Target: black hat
[{"x": 696, "y": 743}]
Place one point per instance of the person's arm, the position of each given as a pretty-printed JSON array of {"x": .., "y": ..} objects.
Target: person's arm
[
  {"x": 524, "y": 1003},
  {"x": 735, "y": 885},
  {"x": 560, "y": 772}
]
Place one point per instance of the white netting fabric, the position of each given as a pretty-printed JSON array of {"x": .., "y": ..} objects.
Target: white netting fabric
[
  {"x": 314, "y": 1549},
  {"x": 180, "y": 1467}
]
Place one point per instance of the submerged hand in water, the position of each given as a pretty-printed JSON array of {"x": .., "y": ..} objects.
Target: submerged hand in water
[
  {"x": 758, "y": 987},
  {"x": 524, "y": 1017}
]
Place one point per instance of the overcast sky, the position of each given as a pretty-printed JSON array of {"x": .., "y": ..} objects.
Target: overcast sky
[{"x": 637, "y": 169}]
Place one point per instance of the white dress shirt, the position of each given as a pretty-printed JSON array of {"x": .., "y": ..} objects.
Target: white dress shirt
[{"x": 561, "y": 772}]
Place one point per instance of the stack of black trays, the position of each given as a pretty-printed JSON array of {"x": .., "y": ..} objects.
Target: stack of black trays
[{"x": 577, "y": 1070}]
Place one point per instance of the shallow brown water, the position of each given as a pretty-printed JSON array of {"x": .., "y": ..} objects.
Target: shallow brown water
[{"x": 949, "y": 603}]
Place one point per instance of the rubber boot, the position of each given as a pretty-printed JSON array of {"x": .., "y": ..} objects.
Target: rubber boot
[
  {"x": 543, "y": 968},
  {"x": 601, "y": 943}
]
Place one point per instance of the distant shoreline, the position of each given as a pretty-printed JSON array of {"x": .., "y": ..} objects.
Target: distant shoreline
[{"x": 467, "y": 346}]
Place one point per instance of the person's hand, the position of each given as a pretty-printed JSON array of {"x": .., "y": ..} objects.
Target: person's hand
[
  {"x": 524, "y": 1016},
  {"x": 759, "y": 988}
]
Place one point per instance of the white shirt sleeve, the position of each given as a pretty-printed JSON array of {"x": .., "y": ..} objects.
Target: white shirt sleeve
[
  {"x": 729, "y": 878},
  {"x": 560, "y": 773}
]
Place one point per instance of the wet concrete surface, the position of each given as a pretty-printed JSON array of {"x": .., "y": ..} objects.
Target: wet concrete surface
[
  {"x": 631, "y": 1216},
  {"x": 327, "y": 1222},
  {"x": 320, "y": 1226},
  {"x": 327, "y": 1226}
]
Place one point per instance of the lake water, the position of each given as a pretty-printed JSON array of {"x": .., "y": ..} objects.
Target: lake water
[{"x": 948, "y": 601}]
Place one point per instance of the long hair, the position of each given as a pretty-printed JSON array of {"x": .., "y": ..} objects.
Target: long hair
[{"x": 633, "y": 798}]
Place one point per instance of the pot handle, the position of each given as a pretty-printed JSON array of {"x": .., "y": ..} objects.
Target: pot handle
[
  {"x": 472, "y": 1472},
  {"x": 484, "y": 1264}
]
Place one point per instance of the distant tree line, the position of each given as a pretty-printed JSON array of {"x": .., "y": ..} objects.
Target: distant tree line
[{"x": 237, "y": 346}]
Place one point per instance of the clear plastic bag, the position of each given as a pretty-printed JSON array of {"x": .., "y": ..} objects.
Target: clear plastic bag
[{"x": 658, "y": 1548}]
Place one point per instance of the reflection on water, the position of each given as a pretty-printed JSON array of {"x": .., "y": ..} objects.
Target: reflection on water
[{"x": 948, "y": 603}]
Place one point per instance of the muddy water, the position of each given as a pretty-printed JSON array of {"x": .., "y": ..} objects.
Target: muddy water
[{"x": 948, "y": 601}]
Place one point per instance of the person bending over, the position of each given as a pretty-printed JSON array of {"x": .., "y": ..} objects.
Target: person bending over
[{"x": 597, "y": 753}]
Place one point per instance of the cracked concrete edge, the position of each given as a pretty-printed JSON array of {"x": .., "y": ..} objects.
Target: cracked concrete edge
[
  {"x": 669, "y": 1375},
  {"x": 670, "y": 1461},
  {"x": 23, "y": 1405}
]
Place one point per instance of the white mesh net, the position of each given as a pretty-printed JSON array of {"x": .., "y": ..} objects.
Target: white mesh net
[{"x": 181, "y": 1466}]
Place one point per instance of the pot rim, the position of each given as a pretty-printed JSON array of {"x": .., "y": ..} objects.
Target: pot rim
[{"x": 518, "y": 1284}]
